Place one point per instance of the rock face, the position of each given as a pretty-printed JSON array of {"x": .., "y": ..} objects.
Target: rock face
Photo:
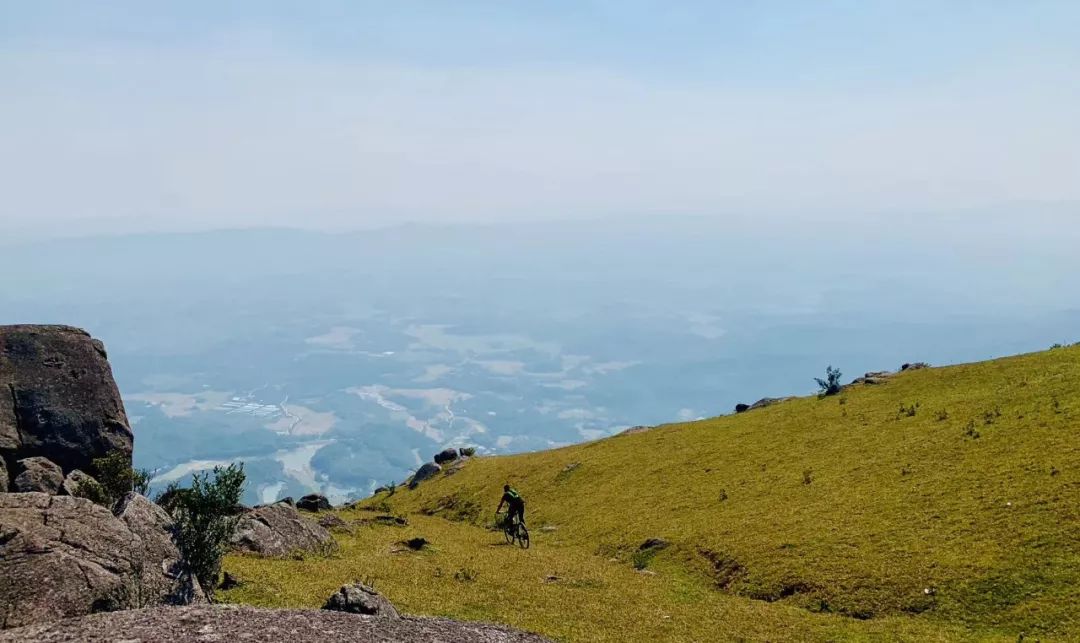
[
  {"x": 4, "y": 480},
  {"x": 360, "y": 599},
  {"x": 313, "y": 502},
  {"x": 231, "y": 623},
  {"x": 279, "y": 530},
  {"x": 38, "y": 474},
  {"x": 58, "y": 399},
  {"x": 426, "y": 472},
  {"x": 62, "y": 557},
  {"x": 446, "y": 455}
]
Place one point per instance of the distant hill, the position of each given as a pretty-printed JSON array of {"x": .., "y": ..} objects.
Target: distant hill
[{"x": 940, "y": 504}]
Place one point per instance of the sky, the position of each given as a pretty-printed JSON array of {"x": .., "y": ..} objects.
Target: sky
[{"x": 133, "y": 116}]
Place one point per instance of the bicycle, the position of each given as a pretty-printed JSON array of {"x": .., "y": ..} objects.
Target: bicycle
[{"x": 513, "y": 530}]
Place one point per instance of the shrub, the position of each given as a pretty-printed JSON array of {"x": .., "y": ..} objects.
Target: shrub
[
  {"x": 205, "y": 519},
  {"x": 92, "y": 491},
  {"x": 117, "y": 478},
  {"x": 831, "y": 384}
]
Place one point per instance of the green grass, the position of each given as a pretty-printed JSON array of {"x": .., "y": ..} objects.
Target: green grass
[{"x": 815, "y": 519}]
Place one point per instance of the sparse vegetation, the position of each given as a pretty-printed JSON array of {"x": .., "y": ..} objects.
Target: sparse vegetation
[
  {"x": 117, "y": 478},
  {"x": 205, "y": 516},
  {"x": 831, "y": 384}
]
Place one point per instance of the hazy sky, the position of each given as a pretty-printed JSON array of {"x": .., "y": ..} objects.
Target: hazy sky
[{"x": 343, "y": 114}]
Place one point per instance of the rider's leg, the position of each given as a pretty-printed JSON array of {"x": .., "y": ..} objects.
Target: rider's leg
[{"x": 521, "y": 513}]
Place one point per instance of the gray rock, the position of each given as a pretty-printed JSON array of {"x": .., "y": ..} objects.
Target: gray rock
[
  {"x": 333, "y": 521},
  {"x": 360, "y": 599},
  {"x": 62, "y": 557},
  {"x": 426, "y": 472},
  {"x": 279, "y": 530},
  {"x": 446, "y": 455},
  {"x": 38, "y": 474},
  {"x": 58, "y": 398},
  {"x": 76, "y": 480},
  {"x": 4, "y": 480},
  {"x": 259, "y": 625},
  {"x": 916, "y": 366},
  {"x": 313, "y": 502}
]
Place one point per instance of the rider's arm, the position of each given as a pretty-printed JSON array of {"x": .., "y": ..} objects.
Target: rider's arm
[{"x": 499, "y": 508}]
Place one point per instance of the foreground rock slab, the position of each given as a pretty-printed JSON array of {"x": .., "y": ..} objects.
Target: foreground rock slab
[
  {"x": 62, "y": 556},
  {"x": 231, "y": 623}
]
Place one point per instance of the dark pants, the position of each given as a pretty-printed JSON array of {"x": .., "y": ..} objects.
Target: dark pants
[{"x": 516, "y": 510}]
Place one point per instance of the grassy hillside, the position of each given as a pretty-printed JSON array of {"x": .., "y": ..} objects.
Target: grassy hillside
[{"x": 943, "y": 504}]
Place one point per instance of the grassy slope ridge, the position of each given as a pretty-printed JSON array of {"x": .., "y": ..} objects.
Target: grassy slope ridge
[{"x": 811, "y": 519}]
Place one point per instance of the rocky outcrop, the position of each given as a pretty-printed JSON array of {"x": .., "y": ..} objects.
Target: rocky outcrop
[
  {"x": 38, "y": 474},
  {"x": 258, "y": 625},
  {"x": 62, "y": 557},
  {"x": 742, "y": 408},
  {"x": 313, "y": 502},
  {"x": 446, "y": 455},
  {"x": 358, "y": 598},
  {"x": 467, "y": 452},
  {"x": 58, "y": 399},
  {"x": 426, "y": 472},
  {"x": 4, "y": 480},
  {"x": 279, "y": 530}
]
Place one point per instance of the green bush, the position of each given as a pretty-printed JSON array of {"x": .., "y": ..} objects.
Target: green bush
[
  {"x": 206, "y": 518},
  {"x": 831, "y": 384},
  {"x": 117, "y": 478}
]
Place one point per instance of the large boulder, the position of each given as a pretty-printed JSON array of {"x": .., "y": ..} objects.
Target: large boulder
[
  {"x": 358, "y": 598},
  {"x": 62, "y": 557},
  {"x": 313, "y": 502},
  {"x": 60, "y": 401},
  {"x": 280, "y": 530},
  {"x": 258, "y": 625},
  {"x": 446, "y": 455},
  {"x": 426, "y": 472},
  {"x": 38, "y": 474}
]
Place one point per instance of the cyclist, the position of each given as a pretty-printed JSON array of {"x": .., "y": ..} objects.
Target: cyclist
[{"x": 515, "y": 504}]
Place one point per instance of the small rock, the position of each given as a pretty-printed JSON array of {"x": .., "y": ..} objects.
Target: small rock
[
  {"x": 228, "y": 581},
  {"x": 314, "y": 502},
  {"x": 332, "y": 521},
  {"x": 426, "y": 472},
  {"x": 446, "y": 455},
  {"x": 416, "y": 544},
  {"x": 39, "y": 474},
  {"x": 742, "y": 408},
  {"x": 915, "y": 366},
  {"x": 361, "y": 599},
  {"x": 653, "y": 543},
  {"x": 467, "y": 452},
  {"x": 551, "y": 578}
]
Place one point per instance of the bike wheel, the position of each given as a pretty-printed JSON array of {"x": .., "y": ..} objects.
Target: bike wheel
[
  {"x": 508, "y": 532},
  {"x": 523, "y": 537}
]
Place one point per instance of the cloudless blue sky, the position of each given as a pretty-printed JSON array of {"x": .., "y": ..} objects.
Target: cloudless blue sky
[{"x": 341, "y": 113}]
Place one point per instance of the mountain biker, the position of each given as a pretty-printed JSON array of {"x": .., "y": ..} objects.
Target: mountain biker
[{"x": 515, "y": 504}]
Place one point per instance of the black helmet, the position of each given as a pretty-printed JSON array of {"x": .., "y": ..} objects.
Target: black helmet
[{"x": 506, "y": 487}]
